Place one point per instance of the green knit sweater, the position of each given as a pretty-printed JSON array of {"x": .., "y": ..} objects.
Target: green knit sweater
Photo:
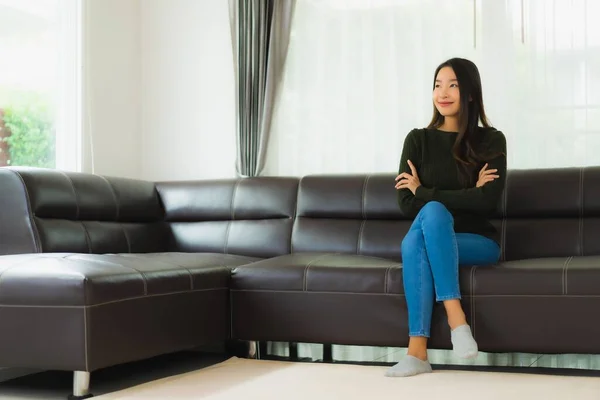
[{"x": 430, "y": 150}]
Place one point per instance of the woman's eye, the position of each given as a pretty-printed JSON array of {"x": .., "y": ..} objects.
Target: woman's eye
[
  {"x": 437, "y": 86},
  {"x": 454, "y": 85}
]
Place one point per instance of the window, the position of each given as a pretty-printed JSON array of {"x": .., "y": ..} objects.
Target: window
[
  {"x": 40, "y": 83},
  {"x": 558, "y": 62},
  {"x": 358, "y": 78}
]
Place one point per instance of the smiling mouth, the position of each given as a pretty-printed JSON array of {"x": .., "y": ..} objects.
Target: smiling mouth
[{"x": 445, "y": 104}]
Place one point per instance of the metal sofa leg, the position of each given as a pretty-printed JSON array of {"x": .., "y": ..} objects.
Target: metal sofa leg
[
  {"x": 327, "y": 353},
  {"x": 253, "y": 349},
  {"x": 81, "y": 386},
  {"x": 257, "y": 349},
  {"x": 293, "y": 350},
  {"x": 262, "y": 350}
]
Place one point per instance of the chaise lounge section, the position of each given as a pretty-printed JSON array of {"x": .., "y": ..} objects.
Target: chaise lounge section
[{"x": 113, "y": 270}]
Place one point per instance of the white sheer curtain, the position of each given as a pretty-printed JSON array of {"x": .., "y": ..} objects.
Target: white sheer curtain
[
  {"x": 359, "y": 75},
  {"x": 541, "y": 65}
]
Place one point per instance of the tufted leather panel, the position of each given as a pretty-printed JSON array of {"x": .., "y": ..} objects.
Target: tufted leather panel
[
  {"x": 552, "y": 213},
  {"x": 229, "y": 199},
  {"x": 348, "y": 197},
  {"x": 356, "y": 214},
  {"x": 84, "y": 213},
  {"x": 533, "y": 193},
  {"x": 376, "y": 238},
  {"x": 251, "y": 217},
  {"x": 543, "y": 213},
  {"x": 77, "y": 196}
]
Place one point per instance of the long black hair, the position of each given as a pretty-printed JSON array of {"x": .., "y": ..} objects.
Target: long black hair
[{"x": 466, "y": 149}]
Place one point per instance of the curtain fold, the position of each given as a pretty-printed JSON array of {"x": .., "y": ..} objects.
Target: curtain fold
[{"x": 260, "y": 32}]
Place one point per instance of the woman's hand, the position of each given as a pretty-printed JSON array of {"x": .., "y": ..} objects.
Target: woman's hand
[
  {"x": 408, "y": 181},
  {"x": 486, "y": 175}
]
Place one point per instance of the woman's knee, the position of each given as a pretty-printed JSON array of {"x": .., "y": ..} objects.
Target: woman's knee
[
  {"x": 412, "y": 243},
  {"x": 435, "y": 209}
]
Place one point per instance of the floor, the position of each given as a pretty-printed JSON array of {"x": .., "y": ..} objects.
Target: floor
[
  {"x": 248, "y": 379},
  {"x": 57, "y": 385}
]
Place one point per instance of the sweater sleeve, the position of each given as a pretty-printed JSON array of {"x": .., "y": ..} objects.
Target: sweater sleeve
[
  {"x": 409, "y": 204},
  {"x": 482, "y": 200}
]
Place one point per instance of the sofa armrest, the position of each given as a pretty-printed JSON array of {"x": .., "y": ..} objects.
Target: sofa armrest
[{"x": 17, "y": 229}]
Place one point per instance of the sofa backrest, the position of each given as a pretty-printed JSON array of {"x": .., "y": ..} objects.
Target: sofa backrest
[
  {"x": 551, "y": 213},
  {"x": 356, "y": 214},
  {"x": 46, "y": 210},
  {"x": 251, "y": 217},
  {"x": 543, "y": 213}
]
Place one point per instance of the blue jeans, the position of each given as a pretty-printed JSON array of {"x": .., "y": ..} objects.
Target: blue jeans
[{"x": 431, "y": 254}]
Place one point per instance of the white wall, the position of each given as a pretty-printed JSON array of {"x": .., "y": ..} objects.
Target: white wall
[
  {"x": 187, "y": 94},
  {"x": 160, "y": 89},
  {"x": 112, "y": 64}
]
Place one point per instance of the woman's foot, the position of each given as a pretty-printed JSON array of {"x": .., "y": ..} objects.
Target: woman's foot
[
  {"x": 409, "y": 366},
  {"x": 456, "y": 315},
  {"x": 463, "y": 343}
]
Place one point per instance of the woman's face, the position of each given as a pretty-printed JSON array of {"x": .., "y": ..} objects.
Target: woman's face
[{"x": 446, "y": 94}]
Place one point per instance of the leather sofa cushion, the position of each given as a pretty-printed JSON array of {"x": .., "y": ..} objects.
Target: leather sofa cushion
[
  {"x": 229, "y": 199},
  {"x": 335, "y": 272},
  {"x": 568, "y": 276},
  {"x": 325, "y": 272},
  {"x": 51, "y": 211},
  {"x": 250, "y": 216},
  {"x": 330, "y": 272},
  {"x": 359, "y": 214},
  {"x": 65, "y": 279},
  {"x": 80, "y": 197},
  {"x": 99, "y": 237},
  {"x": 359, "y": 197}
]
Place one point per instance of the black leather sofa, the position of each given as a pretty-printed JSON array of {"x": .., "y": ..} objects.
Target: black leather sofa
[{"x": 97, "y": 271}]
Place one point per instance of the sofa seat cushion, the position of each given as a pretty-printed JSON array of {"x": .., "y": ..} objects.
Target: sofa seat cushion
[
  {"x": 556, "y": 276},
  {"x": 328, "y": 272},
  {"x": 67, "y": 279},
  {"x": 337, "y": 298},
  {"x": 321, "y": 272}
]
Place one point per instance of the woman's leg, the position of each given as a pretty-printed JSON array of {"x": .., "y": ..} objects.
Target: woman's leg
[
  {"x": 446, "y": 250},
  {"x": 433, "y": 227},
  {"x": 429, "y": 265},
  {"x": 431, "y": 254},
  {"x": 472, "y": 250},
  {"x": 418, "y": 289}
]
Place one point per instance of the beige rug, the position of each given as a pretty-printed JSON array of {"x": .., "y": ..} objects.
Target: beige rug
[{"x": 276, "y": 380}]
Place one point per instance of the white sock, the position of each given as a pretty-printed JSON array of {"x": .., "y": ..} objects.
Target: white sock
[
  {"x": 409, "y": 366},
  {"x": 463, "y": 344}
]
